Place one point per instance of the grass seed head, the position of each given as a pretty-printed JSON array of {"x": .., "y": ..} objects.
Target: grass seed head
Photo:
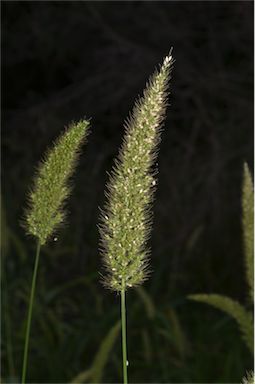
[
  {"x": 126, "y": 220},
  {"x": 248, "y": 226},
  {"x": 51, "y": 188}
]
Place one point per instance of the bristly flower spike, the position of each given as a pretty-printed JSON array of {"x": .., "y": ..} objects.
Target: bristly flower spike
[
  {"x": 127, "y": 217},
  {"x": 49, "y": 193},
  {"x": 51, "y": 187},
  {"x": 248, "y": 226}
]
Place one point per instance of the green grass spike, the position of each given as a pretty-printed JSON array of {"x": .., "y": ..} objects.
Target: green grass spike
[
  {"x": 248, "y": 227},
  {"x": 126, "y": 220},
  {"x": 51, "y": 186}
]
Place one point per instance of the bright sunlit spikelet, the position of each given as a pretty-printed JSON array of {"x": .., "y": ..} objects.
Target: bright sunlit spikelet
[
  {"x": 51, "y": 187},
  {"x": 126, "y": 219}
]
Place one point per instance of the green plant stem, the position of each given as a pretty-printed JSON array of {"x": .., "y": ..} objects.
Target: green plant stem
[
  {"x": 8, "y": 326},
  {"x": 29, "y": 316},
  {"x": 124, "y": 334}
]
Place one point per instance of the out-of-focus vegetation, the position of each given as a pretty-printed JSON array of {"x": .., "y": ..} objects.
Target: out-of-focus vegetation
[
  {"x": 64, "y": 59},
  {"x": 243, "y": 317},
  {"x": 75, "y": 337}
]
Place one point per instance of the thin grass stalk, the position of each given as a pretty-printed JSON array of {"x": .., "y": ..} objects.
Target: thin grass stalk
[
  {"x": 124, "y": 334},
  {"x": 8, "y": 326},
  {"x": 30, "y": 311}
]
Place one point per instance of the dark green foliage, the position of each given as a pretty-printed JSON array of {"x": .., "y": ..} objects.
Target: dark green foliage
[
  {"x": 50, "y": 74},
  {"x": 243, "y": 317},
  {"x": 233, "y": 308},
  {"x": 94, "y": 374}
]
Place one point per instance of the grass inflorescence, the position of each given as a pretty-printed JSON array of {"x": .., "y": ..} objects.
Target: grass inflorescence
[
  {"x": 46, "y": 213},
  {"x": 51, "y": 187},
  {"x": 127, "y": 216}
]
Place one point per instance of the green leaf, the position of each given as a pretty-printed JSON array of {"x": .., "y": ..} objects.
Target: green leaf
[
  {"x": 248, "y": 227},
  {"x": 147, "y": 301},
  {"x": 82, "y": 377},
  {"x": 234, "y": 309},
  {"x": 179, "y": 337},
  {"x": 95, "y": 372},
  {"x": 103, "y": 353}
]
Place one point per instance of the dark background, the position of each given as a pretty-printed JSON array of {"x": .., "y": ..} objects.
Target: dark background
[{"x": 62, "y": 61}]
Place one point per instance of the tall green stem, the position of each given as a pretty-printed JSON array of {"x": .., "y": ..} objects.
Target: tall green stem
[
  {"x": 29, "y": 316},
  {"x": 8, "y": 325},
  {"x": 124, "y": 334}
]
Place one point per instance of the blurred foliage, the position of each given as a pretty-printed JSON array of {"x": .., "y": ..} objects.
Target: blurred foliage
[
  {"x": 73, "y": 329},
  {"x": 95, "y": 372},
  {"x": 97, "y": 64},
  {"x": 243, "y": 317}
]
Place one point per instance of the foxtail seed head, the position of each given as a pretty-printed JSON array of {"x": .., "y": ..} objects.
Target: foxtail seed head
[
  {"x": 45, "y": 212},
  {"x": 248, "y": 226},
  {"x": 126, "y": 219}
]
